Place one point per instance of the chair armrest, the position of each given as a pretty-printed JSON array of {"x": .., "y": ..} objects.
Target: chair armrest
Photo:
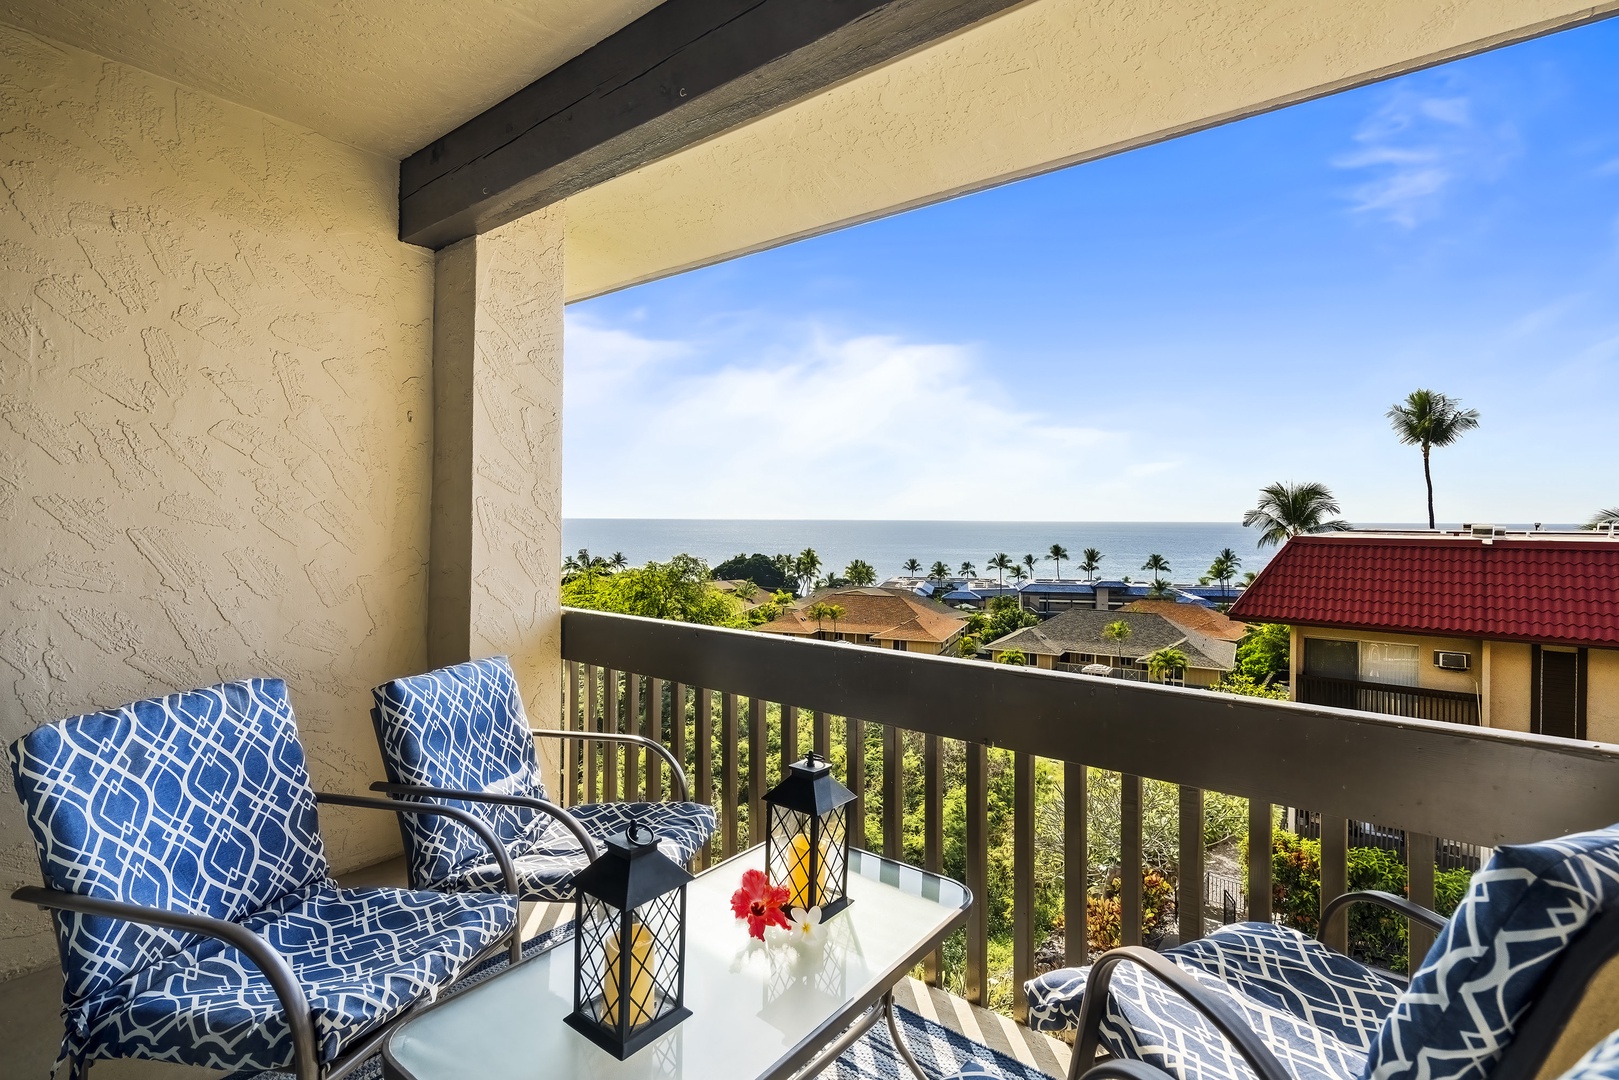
[
  {"x": 306, "y": 1062},
  {"x": 567, "y": 820},
  {"x": 1416, "y": 912},
  {"x": 676, "y": 772},
  {"x": 1225, "y": 1019},
  {"x": 1126, "y": 1069},
  {"x": 395, "y": 806}
]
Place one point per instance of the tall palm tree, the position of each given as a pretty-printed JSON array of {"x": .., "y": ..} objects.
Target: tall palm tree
[
  {"x": 1158, "y": 565},
  {"x": 1093, "y": 562},
  {"x": 1224, "y": 568},
  {"x": 1018, "y": 573},
  {"x": 818, "y": 611},
  {"x": 1603, "y": 518},
  {"x": 938, "y": 571},
  {"x": 1165, "y": 664},
  {"x": 913, "y": 567},
  {"x": 806, "y": 566},
  {"x": 835, "y": 612},
  {"x": 968, "y": 569},
  {"x": 1427, "y": 418},
  {"x": 1001, "y": 563},
  {"x": 1057, "y": 554},
  {"x": 1286, "y": 509},
  {"x": 1028, "y": 564},
  {"x": 860, "y": 572},
  {"x": 618, "y": 561}
]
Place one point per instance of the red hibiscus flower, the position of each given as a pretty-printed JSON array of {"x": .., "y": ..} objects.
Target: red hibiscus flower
[{"x": 760, "y": 903}]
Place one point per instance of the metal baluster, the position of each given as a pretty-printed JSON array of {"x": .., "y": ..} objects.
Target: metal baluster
[
  {"x": 1419, "y": 870},
  {"x": 1259, "y": 858},
  {"x": 728, "y": 780},
  {"x": 592, "y": 723},
  {"x": 932, "y": 827},
  {"x": 573, "y": 720},
  {"x": 855, "y": 753},
  {"x": 977, "y": 872},
  {"x": 654, "y": 731},
  {"x": 1189, "y": 895},
  {"x": 1076, "y": 865},
  {"x": 823, "y": 735},
  {"x": 789, "y": 737},
  {"x": 758, "y": 760},
  {"x": 702, "y": 751},
  {"x": 609, "y": 749},
  {"x": 632, "y": 726},
  {"x": 1130, "y": 860},
  {"x": 893, "y": 793},
  {"x": 1022, "y": 881},
  {"x": 1335, "y": 875}
]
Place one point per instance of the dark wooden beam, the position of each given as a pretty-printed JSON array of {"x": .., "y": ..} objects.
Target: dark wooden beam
[{"x": 683, "y": 72}]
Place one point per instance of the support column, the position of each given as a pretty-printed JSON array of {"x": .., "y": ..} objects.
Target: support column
[{"x": 495, "y": 564}]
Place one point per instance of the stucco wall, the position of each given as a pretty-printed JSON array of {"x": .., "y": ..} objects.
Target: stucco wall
[
  {"x": 1602, "y": 695},
  {"x": 1511, "y": 673},
  {"x": 215, "y": 410}
]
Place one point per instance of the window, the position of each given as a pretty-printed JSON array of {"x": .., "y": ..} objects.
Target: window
[
  {"x": 1389, "y": 663},
  {"x": 1331, "y": 659}
]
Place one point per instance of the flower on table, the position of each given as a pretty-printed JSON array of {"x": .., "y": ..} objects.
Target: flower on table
[
  {"x": 760, "y": 903},
  {"x": 804, "y": 926}
]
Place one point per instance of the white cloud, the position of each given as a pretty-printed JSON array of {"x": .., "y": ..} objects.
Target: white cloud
[
  {"x": 861, "y": 427},
  {"x": 1415, "y": 149}
]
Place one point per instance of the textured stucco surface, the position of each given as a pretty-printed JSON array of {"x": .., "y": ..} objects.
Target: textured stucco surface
[
  {"x": 215, "y": 421},
  {"x": 497, "y": 471},
  {"x": 387, "y": 77},
  {"x": 1048, "y": 84},
  {"x": 1602, "y": 695}
]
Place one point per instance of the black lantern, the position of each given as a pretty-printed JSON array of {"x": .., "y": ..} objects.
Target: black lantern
[
  {"x": 629, "y": 944},
  {"x": 807, "y": 843}
]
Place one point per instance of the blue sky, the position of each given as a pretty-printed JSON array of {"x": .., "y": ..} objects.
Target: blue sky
[{"x": 1156, "y": 335}]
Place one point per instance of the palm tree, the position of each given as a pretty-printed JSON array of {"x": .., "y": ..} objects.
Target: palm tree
[
  {"x": 861, "y": 572},
  {"x": 938, "y": 571},
  {"x": 745, "y": 591},
  {"x": 806, "y": 566},
  {"x": 1028, "y": 563},
  {"x": 1158, "y": 565},
  {"x": 618, "y": 561},
  {"x": 818, "y": 611},
  {"x": 1248, "y": 578},
  {"x": 1018, "y": 573},
  {"x": 1168, "y": 663},
  {"x": 1603, "y": 519},
  {"x": 968, "y": 569},
  {"x": 1428, "y": 419},
  {"x": 835, "y": 612},
  {"x": 1057, "y": 554},
  {"x": 1286, "y": 509},
  {"x": 913, "y": 567},
  {"x": 1117, "y": 631},
  {"x": 1224, "y": 568},
  {"x": 1001, "y": 563},
  {"x": 1092, "y": 563}
]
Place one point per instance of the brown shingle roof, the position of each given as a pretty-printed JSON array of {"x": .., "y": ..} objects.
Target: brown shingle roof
[
  {"x": 1195, "y": 617},
  {"x": 895, "y": 614}
]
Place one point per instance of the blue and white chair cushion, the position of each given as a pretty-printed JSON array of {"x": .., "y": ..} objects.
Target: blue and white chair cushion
[
  {"x": 1318, "y": 1011},
  {"x": 1328, "y": 1018},
  {"x": 1601, "y": 1062},
  {"x": 200, "y": 803},
  {"x": 463, "y": 728}
]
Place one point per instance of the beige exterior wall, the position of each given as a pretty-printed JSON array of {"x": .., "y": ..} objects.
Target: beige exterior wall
[
  {"x": 1428, "y": 676},
  {"x": 1602, "y": 696},
  {"x": 1511, "y": 675},
  {"x": 216, "y": 368},
  {"x": 1051, "y": 83}
]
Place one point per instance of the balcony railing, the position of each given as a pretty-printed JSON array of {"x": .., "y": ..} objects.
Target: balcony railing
[
  {"x": 1414, "y": 701},
  {"x": 1471, "y": 785}
]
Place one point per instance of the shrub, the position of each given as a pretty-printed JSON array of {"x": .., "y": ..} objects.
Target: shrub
[{"x": 1102, "y": 913}]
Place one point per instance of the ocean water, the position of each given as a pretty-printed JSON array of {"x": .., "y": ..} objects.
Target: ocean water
[{"x": 1189, "y": 546}]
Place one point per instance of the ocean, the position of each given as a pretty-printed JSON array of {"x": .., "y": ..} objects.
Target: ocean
[{"x": 1189, "y": 546}]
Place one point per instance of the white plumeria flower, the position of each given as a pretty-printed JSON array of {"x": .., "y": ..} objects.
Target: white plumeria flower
[{"x": 805, "y": 926}]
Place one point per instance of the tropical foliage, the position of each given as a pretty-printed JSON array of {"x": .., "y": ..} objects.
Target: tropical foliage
[
  {"x": 1286, "y": 510},
  {"x": 1427, "y": 418},
  {"x": 1005, "y": 615},
  {"x": 1168, "y": 663},
  {"x": 1225, "y": 567},
  {"x": 1015, "y": 657},
  {"x": 861, "y": 572},
  {"x": 1263, "y": 653},
  {"x": 1057, "y": 553},
  {"x": 679, "y": 590},
  {"x": 1608, "y": 516},
  {"x": 1157, "y": 564},
  {"x": 1092, "y": 562},
  {"x": 1243, "y": 685}
]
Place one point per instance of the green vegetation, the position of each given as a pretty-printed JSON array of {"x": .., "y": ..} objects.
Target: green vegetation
[
  {"x": 1608, "y": 516},
  {"x": 1428, "y": 419},
  {"x": 1092, "y": 562},
  {"x": 1285, "y": 510},
  {"x": 1001, "y": 563},
  {"x": 1014, "y": 657},
  {"x": 1117, "y": 631},
  {"x": 766, "y": 571},
  {"x": 1166, "y": 664},
  {"x": 1262, "y": 654},
  {"x": 1158, "y": 565},
  {"x": 1225, "y": 567},
  {"x": 938, "y": 571},
  {"x": 678, "y": 589},
  {"x": 1057, "y": 553},
  {"x": 913, "y": 567},
  {"x": 1005, "y": 615},
  {"x": 1236, "y": 682},
  {"x": 861, "y": 572}
]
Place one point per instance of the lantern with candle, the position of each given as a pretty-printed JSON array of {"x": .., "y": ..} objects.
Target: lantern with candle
[
  {"x": 629, "y": 938},
  {"x": 807, "y": 839}
]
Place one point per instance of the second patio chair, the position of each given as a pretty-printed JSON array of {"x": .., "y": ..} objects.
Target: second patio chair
[{"x": 459, "y": 737}]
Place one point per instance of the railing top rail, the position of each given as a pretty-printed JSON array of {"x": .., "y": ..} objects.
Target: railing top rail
[
  {"x": 1476, "y": 785},
  {"x": 1388, "y": 688}
]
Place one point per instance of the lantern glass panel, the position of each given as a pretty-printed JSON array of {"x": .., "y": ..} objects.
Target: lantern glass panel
[
  {"x": 651, "y": 988},
  {"x": 835, "y": 850},
  {"x": 790, "y": 863}
]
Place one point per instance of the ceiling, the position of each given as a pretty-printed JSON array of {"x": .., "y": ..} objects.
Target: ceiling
[{"x": 388, "y": 76}]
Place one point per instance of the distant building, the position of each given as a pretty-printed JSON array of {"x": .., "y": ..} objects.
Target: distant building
[
  {"x": 881, "y": 617},
  {"x": 1075, "y": 640},
  {"x": 1509, "y": 630},
  {"x": 756, "y": 596},
  {"x": 918, "y": 585}
]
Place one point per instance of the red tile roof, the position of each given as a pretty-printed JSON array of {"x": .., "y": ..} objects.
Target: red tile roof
[{"x": 1559, "y": 591}]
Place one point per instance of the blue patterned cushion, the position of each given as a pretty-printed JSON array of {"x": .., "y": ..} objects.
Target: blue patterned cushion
[
  {"x": 197, "y": 802},
  {"x": 1601, "y": 1062},
  {"x": 548, "y": 861},
  {"x": 1519, "y": 914},
  {"x": 362, "y": 957},
  {"x": 1316, "y": 1010},
  {"x": 461, "y": 727}
]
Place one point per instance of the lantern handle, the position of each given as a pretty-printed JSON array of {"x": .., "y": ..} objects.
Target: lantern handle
[
  {"x": 811, "y": 758},
  {"x": 637, "y": 825}
]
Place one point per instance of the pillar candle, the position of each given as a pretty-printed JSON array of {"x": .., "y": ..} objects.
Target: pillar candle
[
  {"x": 798, "y": 877},
  {"x": 642, "y": 1004}
]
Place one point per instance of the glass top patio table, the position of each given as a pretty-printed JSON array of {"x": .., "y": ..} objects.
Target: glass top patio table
[{"x": 759, "y": 1012}]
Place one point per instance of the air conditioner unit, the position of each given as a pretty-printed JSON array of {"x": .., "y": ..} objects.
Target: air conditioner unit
[{"x": 1452, "y": 661}]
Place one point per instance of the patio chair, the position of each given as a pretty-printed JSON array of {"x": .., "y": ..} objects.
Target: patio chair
[
  {"x": 1257, "y": 1000},
  {"x": 459, "y": 736},
  {"x": 194, "y": 909}
]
